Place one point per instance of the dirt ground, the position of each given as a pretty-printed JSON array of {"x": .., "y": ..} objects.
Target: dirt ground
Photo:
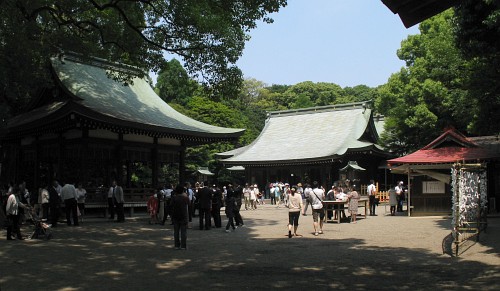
[{"x": 379, "y": 252}]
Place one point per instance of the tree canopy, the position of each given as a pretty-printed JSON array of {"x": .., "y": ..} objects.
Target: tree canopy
[
  {"x": 477, "y": 31},
  {"x": 208, "y": 35}
]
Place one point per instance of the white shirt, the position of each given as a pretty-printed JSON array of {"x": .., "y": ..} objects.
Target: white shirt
[{"x": 371, "y": 190}]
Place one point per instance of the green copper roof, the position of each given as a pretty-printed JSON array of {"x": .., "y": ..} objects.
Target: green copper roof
[
  {"x": 309, "y": 135},
  {"x": 135, "y": 103}
]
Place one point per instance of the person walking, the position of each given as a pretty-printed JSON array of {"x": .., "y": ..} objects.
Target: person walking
[
  {"x": 317, "y": 196},
  {"x": 230, "y": 206},
  {"x": 307, "y": 198},
  {"x": 238, "y": 192},
  {"x": 294, "y": 209},
  {"x": 371, "y": 190},
  {"x": 179, "y": 205}
]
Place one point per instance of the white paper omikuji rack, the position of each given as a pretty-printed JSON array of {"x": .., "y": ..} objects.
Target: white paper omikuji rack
[{"x": 469, "y": 190}]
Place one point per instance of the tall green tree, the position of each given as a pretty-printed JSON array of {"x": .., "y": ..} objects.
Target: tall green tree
[
  {"x": 477, "y": 33},
  {"x": 174, "y": 84},
  {"x": 428, "y": 94},
  {"x": 208, "y": 35}
]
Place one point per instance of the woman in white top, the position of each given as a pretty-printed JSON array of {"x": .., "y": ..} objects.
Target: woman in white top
[
  {"x": 80, "y": 198},
  {"x": 12, "y": 211},
  {"x": 294, "y": 209}
]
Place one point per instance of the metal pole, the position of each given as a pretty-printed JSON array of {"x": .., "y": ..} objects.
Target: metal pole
[{"x": 408, "y": 198}]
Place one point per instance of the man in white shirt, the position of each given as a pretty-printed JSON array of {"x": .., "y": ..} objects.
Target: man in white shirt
[
  {"x": 68, "y": 195},
  {"x": 317, "y": 196},
  {"x": 371, "y": 190}
]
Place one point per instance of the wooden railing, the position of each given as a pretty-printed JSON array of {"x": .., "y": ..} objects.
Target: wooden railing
[{"x": 134, "y": 198}]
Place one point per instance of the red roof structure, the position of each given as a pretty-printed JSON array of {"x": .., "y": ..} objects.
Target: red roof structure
[{"x": 450, "y": 147}]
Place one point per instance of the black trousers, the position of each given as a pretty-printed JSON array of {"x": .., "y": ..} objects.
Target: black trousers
[
  {"x": 237, "y": 216},
  {"x": 216, "y": 216},
  {"x": 13, "y": 227},
  {"x": 71, "y": 211},
  {"x": 111, "y": 208},
  {"x": 205, "y": 215},
  {"x": 230, "y": 222},
  {"x": 371, "y": 202},
  {"x": 54, "y": 214},
  {"x": 45, "y": 210},
  {"x": 120, "y": 212},
  {"x": 167, "y": 211},
  {"x": 180, "y": 233}
]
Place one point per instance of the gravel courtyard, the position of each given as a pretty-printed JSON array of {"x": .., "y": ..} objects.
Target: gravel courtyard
[{"x": 379, "y": 252}]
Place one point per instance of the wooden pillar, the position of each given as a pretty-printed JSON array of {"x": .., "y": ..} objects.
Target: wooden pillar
[
  {"x": 61, "y": 159},
  {"x": 84, "y": 153},
  {"x": 118, "y": 159},
  {"x": 154, "y": 163},
  {"x": 17, "y": 161},
  {"x": 36, "y": 178},
  {"x": 182, "y": 164},
  {"x": 408, "y": 205}
]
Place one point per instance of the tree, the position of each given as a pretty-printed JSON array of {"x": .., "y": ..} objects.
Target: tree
[
  {"x": 174, "y": 84},
  {"x": 428, "y": 95},
  {"x": 208, "y": 35},
  {"x": 477, "y": 30}
]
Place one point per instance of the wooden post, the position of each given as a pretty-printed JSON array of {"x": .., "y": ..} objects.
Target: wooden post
[
  {"x": 408, "y": 204},
  {"x": 154, "y": 163},
  {"x": 182, "y": 164}
]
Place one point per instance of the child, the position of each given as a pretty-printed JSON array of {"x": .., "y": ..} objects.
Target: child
[{"x": 152, "y": 209}]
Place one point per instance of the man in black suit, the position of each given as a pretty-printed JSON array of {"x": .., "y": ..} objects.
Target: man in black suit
[{"x": 205, "y": 204}]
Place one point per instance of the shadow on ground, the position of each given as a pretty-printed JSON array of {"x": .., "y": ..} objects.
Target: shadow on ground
[{"x": 102, "y": 255}]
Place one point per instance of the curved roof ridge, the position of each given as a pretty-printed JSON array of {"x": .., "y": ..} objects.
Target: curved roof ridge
[
  {"x": 134, "y": 103},
  {"x": 297, "y": 138},
  {"x": 346, "y": 106}
]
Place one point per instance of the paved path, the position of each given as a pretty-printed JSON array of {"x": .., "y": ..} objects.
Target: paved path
[{"x": 381, "y": 252}]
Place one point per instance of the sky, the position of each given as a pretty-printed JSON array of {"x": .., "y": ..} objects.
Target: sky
[{"x": 346, "y": 42}]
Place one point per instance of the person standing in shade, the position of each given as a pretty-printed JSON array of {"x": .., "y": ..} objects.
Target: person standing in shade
[
  {"x": 179, "y": 204},
  {"x": 119, "y": 200},
  {"x": 44, "y": 201},
  {"x": 204, "y": 197},
  {"x": 216, "y": 206},
  {"x": 12, "y": 212},
  {"x": 400, "y": 196},
  {"x": 294, "y": 208},
  {"x": 81, "y": 194},
  {"x": 54, "y": 203},
  {"x": 371, "y": 190},
  {"x": 393, "y": 200},
  {"x": 68, "y": 195},
  {"x": 111, "y": 202},
  {"x": 190, "y": 194}
]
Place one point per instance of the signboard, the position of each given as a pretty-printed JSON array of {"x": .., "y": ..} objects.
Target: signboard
[{"x": 433, "y": 187}]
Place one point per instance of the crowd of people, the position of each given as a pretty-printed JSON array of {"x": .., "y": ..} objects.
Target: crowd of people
[
  {"x": 179, "y": 203},
  {"x": 45, "y": 204}
]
